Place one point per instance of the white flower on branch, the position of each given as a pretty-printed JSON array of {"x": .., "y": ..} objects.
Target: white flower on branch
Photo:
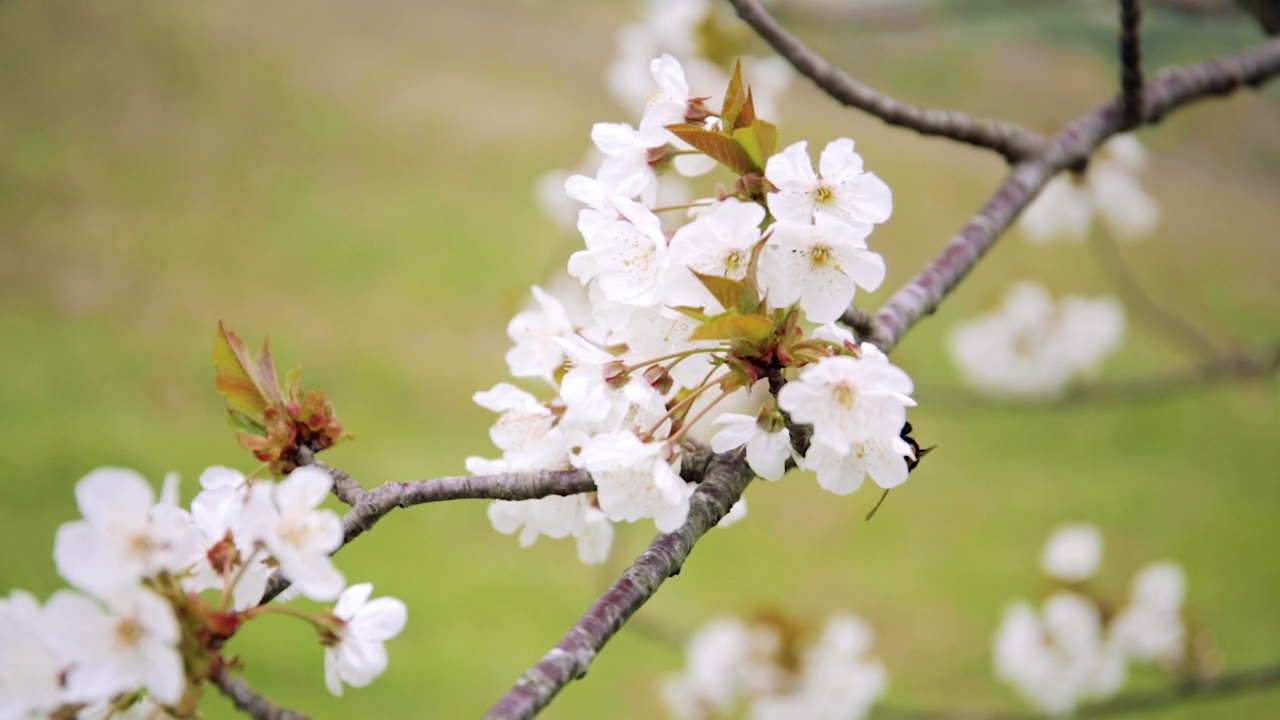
[
  {"x": 555, "y": 517},
  {"x": 669, "y": 104},
  {"x": 1109, "y": 189},
  {"x": 637, "y": 480},
  {"x": 534, "y": 331},
  {"x": 359, "y": 655},
  {"x": 884, "y": 459},
  {"x": 841, "y": 189},
  {"x": 218, "y": 514},
  {"x": 626, "y": 170},
  {"x": 836, "y": 680},
  {"x": 720, "y": 243},
  {"x": 1034, "y": 346},
  {"x": 286, "y": 518},
  {"x": 30, "y": 669},
  {"x": 524, "y": 422},
  {"x": 1150, "y": 627},
  {"x": 767, "y": 448},
  {"x": 1072, "y": 553},
  {"x": 132, "y": 644},
  {"x": 124, "y": 536},
  {"x": 850, "y": 400},
  {"x": 821, "y": 265},
  {"x": 625, "y": 257},
  {"x": 596, "y": 538},
  {"x": 1059, "y": 657}
]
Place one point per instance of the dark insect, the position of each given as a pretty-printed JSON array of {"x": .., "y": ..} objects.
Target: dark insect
[{"x": 915, "y": 447}]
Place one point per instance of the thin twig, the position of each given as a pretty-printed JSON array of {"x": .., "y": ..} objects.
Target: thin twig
[
  {"x": 250, "y": 702},
  {"x": 725, "y": 480},
  {"x": 1012, "y": 141},
  {"x": 1250, "y": 680},
  {"x": 1173, "y": 326},
  {"x": 1131, "y": 61},
  {"x": 1216, "y": 371},
  {"x": 1171, "y": 89}
]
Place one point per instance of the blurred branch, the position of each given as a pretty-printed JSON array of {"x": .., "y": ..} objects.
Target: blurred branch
[
  {"x": 250, "y": 702},
  {"x": 1250, "y": 680},
  {"x": 1131, "y": 61},
  {"x": 1173, "y": 326},
  {"x": 1216, "y": 371},
  {"x": 1010, "y": 140},
  {"x": 726, "y": 477},
  {"x": 1170, "y": 89}
]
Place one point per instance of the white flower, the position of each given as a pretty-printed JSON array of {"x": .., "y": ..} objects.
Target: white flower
[
  {"x": 635, "y": 480},
  {"x": 821, "y": 265},
  {"x": 850, "y": 400},
  {"x": 885, "y": 460},
  {"x": 297, "y": 534},
  {"x": 1058, "y": 659},
  {"x": 626, "y": 257},
  {"x": 719, "y": 242},
  {"x": 596, "y": 537},
  {"x": 218, "y": 514},
  {"x": 524, "y": 421},
  {"x": 719, "y": 656},
  {"x": 841, "y": 189},
  {"x": 133, "y": 644},
  {"x": 836, "y": 681},
  {"x": 1033, "y": 346},
  {"x": 534, "y": 331},
  {"x": 1109, "y": 188},
  {"x": 669, "y": 103},
  {"x": 359, "y": 655},
  {"x": 553, "y": 516},
  {"x": 1150, "y": 627},
  {"x": 626, "y": 171},
  {"x": 124, "y": 536},
  {"x": 767, "y": 449},
  {"x": 30, "y": 669},
  {"x": 1072, "y": 553}
]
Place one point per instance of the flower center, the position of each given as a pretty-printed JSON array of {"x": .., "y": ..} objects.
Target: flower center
[
  {"x": 846, "y": 395},
  {"x": 823, "y": 195},
  {"x": 821, "y": 255},
  {"x": 128, "y": 632},
  {"x": 736, "y": 261}
]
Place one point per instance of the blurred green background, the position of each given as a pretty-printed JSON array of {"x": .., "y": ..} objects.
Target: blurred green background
[{"x": 355, "y": 180}]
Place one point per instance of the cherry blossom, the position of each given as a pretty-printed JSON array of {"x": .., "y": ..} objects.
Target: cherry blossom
[
  {"x": 30, "y": 669},
  {"x": 1150, "y": 627},
  {"x": 286, "y": 518},
  {"x": 767, "y": 448},
  {"x": 841, "y": 189},
  {"x": 535, "y": 353},
  {"x": 636, "y": 480},
  {"x": 821, "y": 265},
  {"x": 885, "y": 461},
  {"x": 625, "y": 257},
  {"x": 850, "y": 400},
  {"x": 1072, "y": 553},
  {"x": 359, "y": 654}
]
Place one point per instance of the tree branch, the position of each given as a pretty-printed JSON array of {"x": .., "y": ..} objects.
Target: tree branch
[
  {"x": 1171, "y": 89},
  {"x": 1131, "y": 61},
  {"x": 250, "y": 702},
  {"x": 727, "y": 476},
  {"x": 1012, "y": 141},
  {"x": 1250, "y": 680}
]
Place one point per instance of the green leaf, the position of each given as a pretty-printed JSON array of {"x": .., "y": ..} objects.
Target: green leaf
[
  {"x": 735, "y": 96},
  {"x": 746, "y": 116},
  {"x": 237, "y": 375},
  {"x": 242, "y": 421},
  {"x": 698, "y": 314},
  {"x": 728, "y": 292},
  {"x": 759, "y": 142},
  {"x": 724, "y": 149},
  {"x": 732, "y": 326}
]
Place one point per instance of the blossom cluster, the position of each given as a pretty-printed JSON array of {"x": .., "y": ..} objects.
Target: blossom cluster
[
  {"x": 140, "y": 619},
  {"x": 1036, "y": 346},
  {"x": 1073, "y": 649},
  {"x": 725, "y": 321},
  {"x": 763, "y": 667}
]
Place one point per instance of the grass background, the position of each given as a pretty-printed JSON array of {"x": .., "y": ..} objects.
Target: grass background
[{"x": 355, "y": 180}]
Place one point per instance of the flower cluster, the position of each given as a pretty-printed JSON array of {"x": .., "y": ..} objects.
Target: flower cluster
[
  {"x": 1075, "y": 648},
  {"x": 710, "y": 324},
  {"x": 140, "y": 618},
  {"x": 1034, "y": 346},
  {"x": 763, "y": 667},
  {"x": 1108, "y": 189}
]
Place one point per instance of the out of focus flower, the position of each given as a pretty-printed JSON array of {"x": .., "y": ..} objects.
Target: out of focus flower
[
  {"x": 1034, "y": 346},
  {"x": 1072, "y": 553},
  {"x": 1058, "y": 657},
  {"x": 1109, "y": 189},
  {"x": 1150, "y": 627},
  {"x": 30, "y": 669},
  {"x": 287, "y": 519}
]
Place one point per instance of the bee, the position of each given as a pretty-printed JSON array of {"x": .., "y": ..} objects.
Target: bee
[{"x": 918, "y": 451}]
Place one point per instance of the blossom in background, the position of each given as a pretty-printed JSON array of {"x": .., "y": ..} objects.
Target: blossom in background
[
  {"x": 1034, "y": 346},
  {"x": 1109, "y": 190},
  {"x": 760, "y": 667},
  {"x": 30, "y": 668},
  {"x": 1058, "y": 657},
  {"x": 359, "y": 653},
  {"x": 1069, "y": 651},
  {"x": 1073, "y": 553}
]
